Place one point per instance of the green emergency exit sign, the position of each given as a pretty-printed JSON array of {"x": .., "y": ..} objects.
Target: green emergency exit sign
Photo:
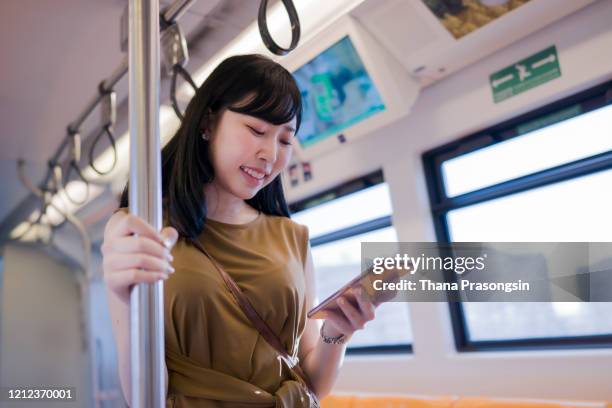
[{"x": 525, "y": 74}]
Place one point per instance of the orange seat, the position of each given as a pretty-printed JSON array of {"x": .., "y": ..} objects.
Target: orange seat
[
  {"x": 483, "y": 402},
  {"x": 337, "y": 401},
  {"x": 394, "y": 401},
  {"x": 402, "y": 402},
  {"x": 384, "y": 401}
]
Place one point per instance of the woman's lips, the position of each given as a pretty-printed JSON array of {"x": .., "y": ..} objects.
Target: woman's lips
[{"x": 253, "y": 181}]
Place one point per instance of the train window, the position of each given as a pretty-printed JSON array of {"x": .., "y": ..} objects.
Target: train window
[
  {"x": 333, "y": 215},
  {"x": 338, "y": 221},
  {"x": 522, "y": 155},
  {"x": 517, "y": 182}
]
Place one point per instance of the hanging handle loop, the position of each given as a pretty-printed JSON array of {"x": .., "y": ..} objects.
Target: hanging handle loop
[
  {"x": 176, "y": 71},
  {"x": 109, "y": 117},
  {"x": 108, "y": 131},
  {"x": 46, "y": 203},
  {"x": 175, "y": 57},
  {"x": 25, "y": 180},
  {"x": 265, "y": 33},
  {"x": 27, "y": 183},
  {"x": 55, "y": 189},
  {"x": 75, "y": 149}
]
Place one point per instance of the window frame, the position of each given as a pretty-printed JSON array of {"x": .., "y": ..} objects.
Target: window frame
[
  {"x": 588, "y": 100},
  {"x": 344, "y": 189}
]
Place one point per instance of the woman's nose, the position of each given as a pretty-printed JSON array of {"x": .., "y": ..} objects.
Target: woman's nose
[{"x": 269, "y": 149}]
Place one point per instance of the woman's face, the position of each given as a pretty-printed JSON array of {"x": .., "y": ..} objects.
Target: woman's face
[{"x": 248, "y": 153}]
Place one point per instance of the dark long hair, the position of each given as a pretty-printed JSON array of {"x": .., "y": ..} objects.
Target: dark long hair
[{"x": 268, "y": 92}]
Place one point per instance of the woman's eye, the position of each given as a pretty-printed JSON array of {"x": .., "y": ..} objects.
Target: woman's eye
[
  {"x": 286, "y": 142},
  {"x": 257, "y": 132}
]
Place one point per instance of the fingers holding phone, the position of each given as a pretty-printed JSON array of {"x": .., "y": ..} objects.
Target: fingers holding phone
[{"x": 353, "y": 311}]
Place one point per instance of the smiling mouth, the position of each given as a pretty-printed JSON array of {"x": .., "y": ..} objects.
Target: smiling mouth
[{"x": 258, "y": 175}]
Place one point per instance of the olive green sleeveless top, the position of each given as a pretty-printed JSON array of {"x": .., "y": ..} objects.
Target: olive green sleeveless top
[{"x": 215, "y": 357}]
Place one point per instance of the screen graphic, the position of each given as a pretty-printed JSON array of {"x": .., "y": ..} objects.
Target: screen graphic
[{"x": 337, "y": 92}]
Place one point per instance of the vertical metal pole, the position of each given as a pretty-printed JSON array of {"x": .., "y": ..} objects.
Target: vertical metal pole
[{"x": 146, "y": 300}]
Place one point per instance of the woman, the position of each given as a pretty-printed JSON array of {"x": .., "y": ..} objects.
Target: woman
[{"x": 221, "y": 187}]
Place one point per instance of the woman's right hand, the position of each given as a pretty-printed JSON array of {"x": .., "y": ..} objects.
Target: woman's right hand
[{"x": 134, "y": 252}]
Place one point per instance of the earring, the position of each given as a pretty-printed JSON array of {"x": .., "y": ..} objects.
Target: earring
[{"x": 204, "y": 136}]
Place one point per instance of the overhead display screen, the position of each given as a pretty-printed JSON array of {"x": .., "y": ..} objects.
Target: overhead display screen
[{"x": 337, "y": 93}]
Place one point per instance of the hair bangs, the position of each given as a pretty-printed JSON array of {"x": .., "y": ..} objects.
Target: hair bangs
[{"x": 276, "y": 100}]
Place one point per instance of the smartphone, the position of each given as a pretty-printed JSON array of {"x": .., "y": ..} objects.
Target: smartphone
[{"x": 364, "y": 281}]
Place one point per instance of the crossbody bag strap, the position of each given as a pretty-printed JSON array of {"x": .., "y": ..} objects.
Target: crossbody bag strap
[{"x": 260, "y": 324}]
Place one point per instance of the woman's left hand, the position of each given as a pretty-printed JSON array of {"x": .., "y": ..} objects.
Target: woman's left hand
[{"x": 354, "y": 311}]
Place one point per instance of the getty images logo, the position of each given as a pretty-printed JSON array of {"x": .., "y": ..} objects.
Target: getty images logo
[{"x": 459, "y": 264}]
